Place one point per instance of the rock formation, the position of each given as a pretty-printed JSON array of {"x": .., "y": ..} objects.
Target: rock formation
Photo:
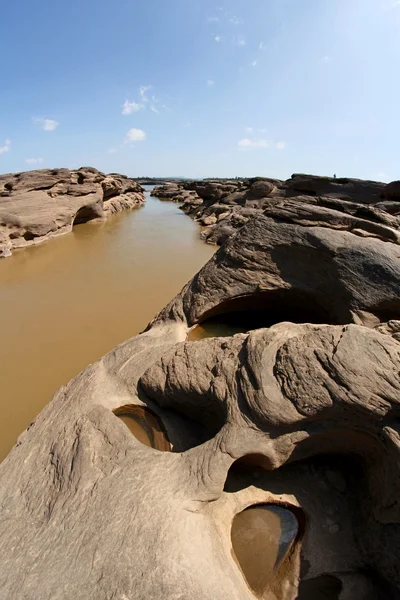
[
  {"x": 222, "y": 207},
  {"x": 263, "y": 465},
  {"x": 39, "y": 204}
]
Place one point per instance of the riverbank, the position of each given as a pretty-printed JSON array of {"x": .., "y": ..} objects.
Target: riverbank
[
  {"x": 70, "y": 300},
  {"x": 37, "y": 205}
]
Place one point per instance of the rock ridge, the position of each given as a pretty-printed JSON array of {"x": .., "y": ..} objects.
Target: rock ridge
[{"x": 221, "y": 207}]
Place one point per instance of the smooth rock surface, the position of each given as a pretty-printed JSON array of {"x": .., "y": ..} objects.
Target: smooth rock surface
[
  {"x": 302, "y": 412},
  {"x": 38, "y": 204}
]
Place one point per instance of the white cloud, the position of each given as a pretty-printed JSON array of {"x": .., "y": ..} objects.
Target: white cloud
[
  {"x": 6, "y": 147},
  {"x": 47, "y": 124},
  {"x": 213, "y": 19},
  {"x": 326, "y": 59},
  {"x": 254, "y": 63},
  {"x": 241, "y": 42},
  {"x": 130, "y": 107},
  {"x": 135, "y": 135},
  {"x": 210, "y": 82},
  {"x": 142, "y": 91},
  {"x": 280, "y": 145},
  {"x": 249, "y": 129},
  {"x": 235, "y": 20},
  {"x": 248, "y": 144},
  {"x": 34, "y": 161},
  {"x": 112, "y": 150},
  {"x": 262, "y": 45},
  {"x": 217, "y": 38},
  {"x": 262, "y": 130},
  {"x": 154, "y": 110}
]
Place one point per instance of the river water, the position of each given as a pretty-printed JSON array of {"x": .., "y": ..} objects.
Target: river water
[{"x": 68, "y": 301}]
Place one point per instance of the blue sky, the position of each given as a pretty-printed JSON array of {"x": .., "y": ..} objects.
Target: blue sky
[{"x": 202, "y": 88}]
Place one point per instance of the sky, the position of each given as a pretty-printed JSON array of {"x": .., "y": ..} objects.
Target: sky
[{"x": 206, "y": 88}]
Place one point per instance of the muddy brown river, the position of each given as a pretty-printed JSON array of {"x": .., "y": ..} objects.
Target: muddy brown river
[{"x": 68, "y": 301}]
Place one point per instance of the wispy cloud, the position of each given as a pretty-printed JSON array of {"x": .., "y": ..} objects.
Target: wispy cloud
[
  {"x": 249, "y": 129},
  {"x": 241, "y": 42},
  {"x": 210, "y": 82},
  {"x": 235, "y": 20},
  {"x": 144, "y": 103},
  {"x": 131, "y": 107},
  {"x": 261, "y": 45},
  {"x": 135, "y": 135},
  {"x": 6, "y": 147},
  {"x": 218, "y": 38},
  {"x": 142, "y": 91},
  {"x": 112, "y": 150},
  {"x": 254, "y": 64},
  {"x": 47, "y": 124},
  {"x": 34, "y": 161},
  {"x": 280, "y": 145},
  {"x": 213, "y": 19},
  {"x": 248, "y": 144}
]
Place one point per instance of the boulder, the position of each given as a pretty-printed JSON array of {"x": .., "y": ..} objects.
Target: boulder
[{"x": 261, "y": 189}]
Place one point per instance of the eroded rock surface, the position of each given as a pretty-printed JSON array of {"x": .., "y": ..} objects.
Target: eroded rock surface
[
  {"x": 38, "y": 204},
  {"x": 296, "y": 419},
  {"x": 222, "y": 207}
]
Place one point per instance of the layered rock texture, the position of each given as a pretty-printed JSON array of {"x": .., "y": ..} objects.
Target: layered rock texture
[
  {"x": 262, "y": 465},
  {"x": 222, "y": 207},
  {"x": 39, "y": 204}
]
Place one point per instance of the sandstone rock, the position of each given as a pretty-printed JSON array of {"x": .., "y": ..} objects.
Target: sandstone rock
[
  {"x": 211, "y": 220},
  {"x": 39, "y": 204},
  {"x": 357, "y": 190},
  {"x": 292, "y": 425},
  {"x": 222, "y": 216},
  {"x": 392, "y": 191},
  {"x": 365, "y": 201},
  {"x": 261, "y": 189}
]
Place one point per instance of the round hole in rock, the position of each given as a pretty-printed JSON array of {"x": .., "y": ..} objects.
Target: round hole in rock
[
  {"x": 262, "y": 537},
  {"x": 261, "y": 310},
  {"x": 85, "y": 214},
  {"x": 145, "y": 426}
]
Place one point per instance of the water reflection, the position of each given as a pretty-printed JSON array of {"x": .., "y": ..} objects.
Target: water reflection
[
  {"x": 261, "y": 539},
  {"x": 145, "y": 426}
]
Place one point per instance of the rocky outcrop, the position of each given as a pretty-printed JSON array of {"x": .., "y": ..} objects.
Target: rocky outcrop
[
  {"x": 223, "y": 207},
  {"x": 39, "y": 204},
  {"x": 263, "y": 465}
]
